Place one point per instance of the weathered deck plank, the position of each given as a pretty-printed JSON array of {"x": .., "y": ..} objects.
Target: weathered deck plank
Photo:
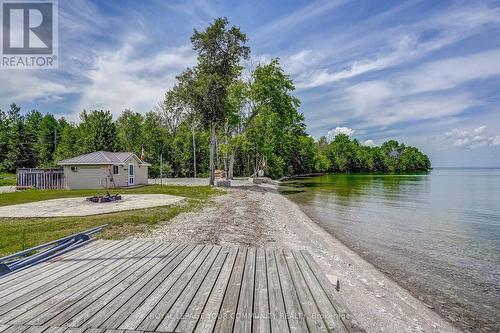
[
  {"x": 190, "y": 316},
  {"x": 157, "y": 314},
  {"x": 308, "y": 289},
  {"x": 77, "y": 301},
  {"x": 279, "y": 322},
  {"x": 294, "y": 310},
  {"x": 208, "y": 316},
  {"x": 24, "y": 283},
  {"x": 178, "y": 309},
  {"x": 131, "y": 303},
  {"x": 244, "y": 310},
  {"x": 104, "y": 295},
  {"x": 51, "y": 301},
  {"x": 139, "y": 287},
  {"x": 144, "y": 309},
  {"x": 39, "y": 288},
  {"x": 52, "y": 264},
  {"x": 261, "y": 320},
  {"x": 347, "y": 318},
  {"x": 122, "y": 295},
  {"x": 225, "y": 320}
]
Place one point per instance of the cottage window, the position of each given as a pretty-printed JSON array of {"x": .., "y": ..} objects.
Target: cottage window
[
  {"x": 116, "y": 170},
  {"x": 74, "y": 168}
]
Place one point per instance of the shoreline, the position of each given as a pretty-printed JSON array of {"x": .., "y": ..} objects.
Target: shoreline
[{"x": 261, "y": 217}]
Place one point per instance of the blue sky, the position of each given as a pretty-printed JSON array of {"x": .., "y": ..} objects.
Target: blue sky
[{"x": 423, "y": 72}]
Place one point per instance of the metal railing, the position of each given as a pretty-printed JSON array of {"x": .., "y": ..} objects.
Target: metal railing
[{"x": 44, "y": 252}]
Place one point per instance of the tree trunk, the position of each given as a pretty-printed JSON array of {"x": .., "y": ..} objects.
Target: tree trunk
[
  {"x": 229, "y": 174},
  {"x": 194, "y": 153},
  {"x": 226, "y": 164},
  {"x": 212, "y": 153}
]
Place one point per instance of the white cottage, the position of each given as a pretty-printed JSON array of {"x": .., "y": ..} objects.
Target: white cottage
[{"x": 104, "y": 169}]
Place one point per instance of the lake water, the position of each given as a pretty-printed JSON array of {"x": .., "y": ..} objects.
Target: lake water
[{"x": 436, "y": 234}]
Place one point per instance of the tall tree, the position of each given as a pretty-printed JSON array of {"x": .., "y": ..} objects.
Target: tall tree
[
  {"x": 220, "y": 50},
  {"x": 186, "y": 100},
  {"x": 66, "y": 142},
  {"x": 17, "y": 155},
  {"x": 97, "y": 131},
  {"x": 47, "y": 140},
  {"x": 276, "y": 124},
  {"x": 157, "y": 142},
  {"x": 32, "y": 121},
  {"x": 173, "y": 109},
  {"x": 129, "y": 131}
]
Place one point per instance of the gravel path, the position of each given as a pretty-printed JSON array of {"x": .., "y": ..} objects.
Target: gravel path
[{"x": 257, "y": 216}]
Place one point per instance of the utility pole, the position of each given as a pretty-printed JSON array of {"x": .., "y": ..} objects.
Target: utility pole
[
  {"x": 55, "y": 139},
  {"x": 161, "y": 169},
  {"x": 194, "y": 152}
]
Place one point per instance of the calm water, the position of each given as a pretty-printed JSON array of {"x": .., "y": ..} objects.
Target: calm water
[{"x": 436, "y": 234}]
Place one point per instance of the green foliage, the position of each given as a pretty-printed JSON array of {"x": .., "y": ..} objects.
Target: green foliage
[
  {"x": 66, "y": 142},
  {"x": 97, "y": 132},
  {"x": 129, "y": 131},
  {"x": 346, "y": 155},
  {"x": 220, "y": 50},
  {"x": 7, "y": 179},
  {"x": 4, "y": 136},
  {"x": 46, "y": 141},
  {"x": 17, "y": 153},
  {"x": 275, "y": 132}
]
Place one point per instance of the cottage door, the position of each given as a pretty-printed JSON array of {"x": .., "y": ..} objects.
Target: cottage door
[{"x": 131, "y": 174}]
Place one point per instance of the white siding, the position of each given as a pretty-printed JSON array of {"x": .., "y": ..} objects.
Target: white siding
[
  {"x": 99, "y": 176},
  {"x": 87, "y": 177}
]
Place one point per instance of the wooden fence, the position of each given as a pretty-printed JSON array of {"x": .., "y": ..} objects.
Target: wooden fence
[{"x": 42, "y": 179}]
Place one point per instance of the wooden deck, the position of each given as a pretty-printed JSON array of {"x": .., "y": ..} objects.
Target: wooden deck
[{"x": 122, "y": 286}]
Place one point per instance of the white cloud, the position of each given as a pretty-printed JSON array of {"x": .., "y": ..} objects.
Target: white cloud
[
  {"x": 471, "y": 139},
  {"x": 369, "y": 143},
  {"x": 306, "y": 13},
  {"x": 480, "y": 129},
  {"x": 409, "y": 45},
  {"x": 450, "y": 73},
  {"x": 423, "y": 93},
  {"x": 28, "y": 85},
  {"x": 402, "y": 52},
  {"x": 457, "y": 133},
  {"x": 339, "y": 130},
  {"x": 368, "y": 96},
  {"x": 122, "y": 80}
]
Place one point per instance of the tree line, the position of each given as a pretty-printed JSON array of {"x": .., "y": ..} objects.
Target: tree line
[{"x": 214, "y": 117}]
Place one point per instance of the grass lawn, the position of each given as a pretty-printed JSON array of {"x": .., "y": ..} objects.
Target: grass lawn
[
  {"x": 17, "y": 234},
  {"x": 7, "y": 179}
]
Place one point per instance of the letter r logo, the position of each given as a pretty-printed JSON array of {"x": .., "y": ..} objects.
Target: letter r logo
[{"x": 27, "y": 27}]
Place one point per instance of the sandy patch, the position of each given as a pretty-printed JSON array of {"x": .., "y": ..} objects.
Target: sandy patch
[
  {"x": 81, "y": 207},
  {"x": 260, "y": 217}
]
